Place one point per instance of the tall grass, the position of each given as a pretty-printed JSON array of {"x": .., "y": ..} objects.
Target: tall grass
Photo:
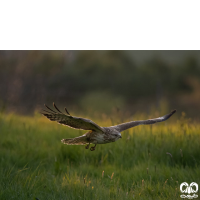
[{"x": 149, "y": 162}]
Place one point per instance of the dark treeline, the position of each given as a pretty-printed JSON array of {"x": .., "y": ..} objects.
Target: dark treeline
[{"x": 30, "y": 78}]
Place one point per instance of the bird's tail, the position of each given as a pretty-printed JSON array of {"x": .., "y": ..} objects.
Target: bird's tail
[
  {"x": 75, "y": 141},
  {"x": 66, "y": 141}
]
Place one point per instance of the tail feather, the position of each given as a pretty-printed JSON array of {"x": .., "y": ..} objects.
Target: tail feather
[
  {"x": 65, "y": 141},
  {"x": 75, "y": 141}
]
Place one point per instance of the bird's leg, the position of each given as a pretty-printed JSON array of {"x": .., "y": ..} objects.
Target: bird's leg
[
  {"x": 93, "y": 148},
  {"x": 87, "y": 146}
]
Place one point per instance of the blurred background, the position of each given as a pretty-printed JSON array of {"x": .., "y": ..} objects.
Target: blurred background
[{"x": 100, "y": 81}]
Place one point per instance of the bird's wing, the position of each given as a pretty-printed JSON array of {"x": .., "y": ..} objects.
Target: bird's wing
[
  {"x": 127, "y": 125},
  {"x": 68, "y": 120},
  {"x": 76, "y": 141}
]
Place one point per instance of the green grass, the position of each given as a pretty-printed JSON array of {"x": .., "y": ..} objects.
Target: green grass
[{"x": 34, "y": 164}]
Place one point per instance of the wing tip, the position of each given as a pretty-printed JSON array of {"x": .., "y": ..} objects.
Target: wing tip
[
  {"x": 173, "y": 111},
  {"x": 54, "y": 105},
  {"x": 67, "y": 111},
  {"x": 49, "y": 108}
]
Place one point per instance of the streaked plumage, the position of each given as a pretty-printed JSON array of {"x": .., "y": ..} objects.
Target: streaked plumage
[{"x": 96, "y": 134}]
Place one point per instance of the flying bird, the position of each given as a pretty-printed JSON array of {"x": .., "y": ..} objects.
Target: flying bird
[{"x": 96, "y": 134}]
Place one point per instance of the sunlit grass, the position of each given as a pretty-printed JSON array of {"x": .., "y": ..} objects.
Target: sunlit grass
[{"x": 149, "y": 162}]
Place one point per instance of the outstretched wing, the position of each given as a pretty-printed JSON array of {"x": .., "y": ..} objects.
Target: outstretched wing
[
  {"x": 127, "y": 125},
  {"x": 68, "y": 120},
  {"x": 76, "y": 141}
]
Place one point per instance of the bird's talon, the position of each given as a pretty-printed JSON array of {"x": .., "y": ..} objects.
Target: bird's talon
[
  {"x": 87, "y": 146},
  {"x": 92, "y": 148}
]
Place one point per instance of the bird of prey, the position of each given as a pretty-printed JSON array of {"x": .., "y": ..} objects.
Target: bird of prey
[{"x": 96, "y": 134}]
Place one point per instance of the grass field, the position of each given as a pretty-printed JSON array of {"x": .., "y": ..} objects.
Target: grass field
[{"x": 149, "y": 162}]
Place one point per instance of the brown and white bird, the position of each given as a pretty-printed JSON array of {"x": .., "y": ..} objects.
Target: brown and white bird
[{"x": 96, "y": 134}]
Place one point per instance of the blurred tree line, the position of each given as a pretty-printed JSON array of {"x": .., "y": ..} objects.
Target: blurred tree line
[{"x": 96, "y": 79}]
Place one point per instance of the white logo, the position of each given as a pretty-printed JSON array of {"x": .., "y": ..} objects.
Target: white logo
[{"x": 186, "y": 188}]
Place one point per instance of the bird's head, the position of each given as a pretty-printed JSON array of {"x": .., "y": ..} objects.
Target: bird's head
[
  {"x": 117, "y": 135},
  {"x": 114, "y": 135}
]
